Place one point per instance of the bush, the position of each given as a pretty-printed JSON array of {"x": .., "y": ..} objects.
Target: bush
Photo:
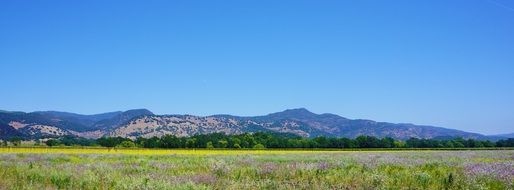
[
  {"x": 53, "y": 142},
  {"x": 209, "y": 145},
  {"x": 127, "y": 144},
  {"x": 259, "y": 146},
  {"x": 16, "y": 141}
]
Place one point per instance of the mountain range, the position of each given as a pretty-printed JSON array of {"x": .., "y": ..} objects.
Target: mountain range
[{"x": 143, "y": 123}]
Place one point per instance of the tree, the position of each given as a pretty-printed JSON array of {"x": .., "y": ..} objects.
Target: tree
[
  {"x": 259, "y": 146},
  {"x": 169, "y": 141},
  {"x": 412, "y": 143},
  {"x": 16, "y": 141},
  {"x": 367, "y": 142},
  {"x": 321, "y": 142},
  {"x": 127, "y": 144},
  {"x": 488, "y": 143},
  {"x": 106, "y": 142},
  {"x": 448, "y": 144},
  {"x": 478, "y": 144},
  {"x": 505, "y": 143},
  {"x": 153, "y": 142},
  {"x": 470, "y": 143},
  {"x": 37, "y": 142},
  {"x": 191, "y": 143},
  {"x": 223, "y": 143},
  {"x": 459, "y": 143},
  {"x": 348, "y": 143},
  {"x": 248, "y": 141},
  {"x": 232, "y": 141},
  {"x": 110, "y": 141},
  {"x": 399, "y": 144},
  {"x": 209, "y": 145},
  {"x": 387, "y": 142},
  {"x": 270, "y": 140},
  {"x": 53, "y": 142}
]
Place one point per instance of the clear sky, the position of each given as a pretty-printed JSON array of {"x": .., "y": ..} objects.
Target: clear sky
[{"x": 435, "y": 62}]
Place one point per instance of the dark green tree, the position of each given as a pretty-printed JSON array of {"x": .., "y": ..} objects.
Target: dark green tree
[
  {"x": 16, "y": 141},
  {"x": 209, "y": 145},
  {"x": 53, "y": 142}
]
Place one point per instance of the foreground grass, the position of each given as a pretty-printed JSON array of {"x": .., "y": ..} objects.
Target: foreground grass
[{"x": 254, "y": 169}]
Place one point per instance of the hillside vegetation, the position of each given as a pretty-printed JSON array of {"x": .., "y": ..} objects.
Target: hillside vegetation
[{"x": 143, "y": 123}]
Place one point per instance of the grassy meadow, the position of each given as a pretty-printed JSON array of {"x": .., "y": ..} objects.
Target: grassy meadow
[{"x": 99, "y": 168}]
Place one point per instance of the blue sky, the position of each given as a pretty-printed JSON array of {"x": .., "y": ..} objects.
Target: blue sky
[{"x": 437, "y": 62}]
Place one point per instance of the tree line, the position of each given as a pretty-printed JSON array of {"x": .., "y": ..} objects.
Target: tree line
[{"x": 262, "y": 140}]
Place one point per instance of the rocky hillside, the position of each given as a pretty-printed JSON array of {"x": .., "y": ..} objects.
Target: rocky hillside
[
  {"x": 51, "y": 123},
  {"x": 296, "y": 121},
  {"x": 135, "y": 123}
]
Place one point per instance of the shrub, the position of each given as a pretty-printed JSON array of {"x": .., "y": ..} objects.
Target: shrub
[
  {"x": 127, "y": 144},
  {"x": 209, "y": 145},
  {"x": 259, "y": 146},
  {"x": 53, "y": 142},
  {"x": 16, "y": 141}
]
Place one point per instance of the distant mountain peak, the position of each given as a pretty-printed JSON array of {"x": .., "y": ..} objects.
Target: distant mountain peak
[
  {"x": 141, "y": 111},
  {"x": 293, "y": 113},
  {"x": 300, "y": 111}
]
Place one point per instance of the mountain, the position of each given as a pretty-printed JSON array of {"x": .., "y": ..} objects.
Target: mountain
[
  {"x": 120, "y": 119},
  {"x": 143, "y": 123},
  {"x": 296, "y": 121},
  {"x": 76, "y": 122},
  {"x": 53, "y": 123},
  {"x": 500, "y": 136},
  {"x": 510, "y": 135},
  {"x": 8, "y": 131}
]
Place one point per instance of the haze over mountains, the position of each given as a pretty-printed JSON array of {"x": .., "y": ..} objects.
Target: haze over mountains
[{"x": 142, "y": 122}]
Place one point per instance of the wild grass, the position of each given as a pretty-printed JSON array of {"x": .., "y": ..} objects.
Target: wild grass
[{"x": 254, "y": 169}]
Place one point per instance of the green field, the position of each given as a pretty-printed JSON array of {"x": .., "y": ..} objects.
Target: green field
[{"x": 65, "y": 168}]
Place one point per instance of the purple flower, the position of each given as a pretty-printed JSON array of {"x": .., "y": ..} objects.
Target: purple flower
[
  {"x": 322, "y": 166},
  {"x": 502, "y": 171},
  {"x": 268, "y": 168},
  {"x": 204, "y": 179}
]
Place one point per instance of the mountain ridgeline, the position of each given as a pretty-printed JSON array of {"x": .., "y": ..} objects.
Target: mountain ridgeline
[{"x": 143, "y": 123}]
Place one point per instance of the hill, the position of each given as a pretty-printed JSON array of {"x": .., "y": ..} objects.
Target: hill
[
  {"x": 53, "y": 123},
  {"x": 143, "y": 123}
]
